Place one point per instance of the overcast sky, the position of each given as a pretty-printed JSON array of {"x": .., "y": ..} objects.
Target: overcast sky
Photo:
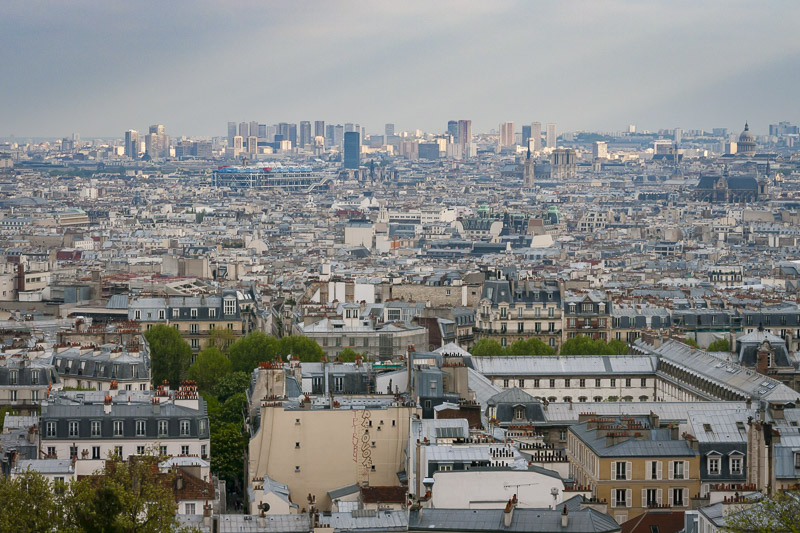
[{"x": 99, "y": 68}]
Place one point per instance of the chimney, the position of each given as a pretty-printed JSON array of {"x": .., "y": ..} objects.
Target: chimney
[
  {"x": 508, "y": 514},
  {"x": 564, "y": 517},
  {"x": 207, "y": 515},
  {"x": 107, "y": 404},
  {"x": 762, "y": 362}
]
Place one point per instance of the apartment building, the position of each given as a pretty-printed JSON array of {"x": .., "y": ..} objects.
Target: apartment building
[
  {"x": 633, "y": 463},
  {"x": 95, "y": 425},
  {"x": 25, "y": 382},
  {"x": 512, "y": 310},
  {"x": 587, "y": 313}
]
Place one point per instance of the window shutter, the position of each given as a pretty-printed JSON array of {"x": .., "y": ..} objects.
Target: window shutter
[
  {"x": 613, "y": 470},
  {"x": 686, "y": 470},
  {"x": 658, "y": 496},
  {"x": 628, "y": 470},
  {"x": 686, "y": 496},
  {"x": 644, "y": 498},
  {"x": 670, "y": 496},
  {"x": 647, "y": 469},
  {"x": 613, "y": 496},
  {"x": 671, "y": 471},
  {"x": 628, "y": 498},
  {"x": 659, "y": 468}
]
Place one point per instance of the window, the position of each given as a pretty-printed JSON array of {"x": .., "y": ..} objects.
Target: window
[
  {"x": 628, "y": 382},
  {"x": 655, "y": 470},
  {"x": 597, "y": 382},
  {"x": 184, "y": 428},
  {"x": 229, "y": 306},
  {"x": 296, "y": 468},
  {"x": 736, "y": 465},
  {"x": 338, "y": 384},
  {"x": 445, "y": 468},
  {"x": 51, "y": 429},
  {"x": 176, "y": 313},
  {"x": 118, "y": 428},
  {"x": 137, "y": 314},
  {"x": 644, "y": 382},
  {"x": 73, "y": 452},
  {"x": 140, "y": 450},
  {"x": 620, "y": 498},
  {"x": 195, "y": 343},
  {"x": 95, "y": 452},
  {"x": 713, "y": 466},
  {"x": 620, "y": 470},
  {"x": 677, "y": 497},
  {"x": 35, "y": 377},
  {"x": 521, "y": 383},
  {"x": 163, "y": 427},
  {"x": 552, "y": 384},
  {"x": 519, "y": 312},
  {"x": 118, "y": 451},
  {"x": 651, "y": 497},
  {"x": 193, "y": 313},
  {"x": 505, "y": 383},
  {"x": 185, "y": 449},
  {"x": 613, "y": 382},
  {"x": 296, "y": 445},
  {"x": 73, "y": 429},
  {"x": 12, "y": 377},
  {"x": 582, "y": 383},
  {"x": 189, "y": 508},
  {"x": 562, "y": 434},
  {"x": 161, "y": 314},
  {"x": 550, "y": 314},
  {"x": 13, "y": 396},
  {"x": 519, "y": 412},
  {"x": 520, "y": 326},
  {"x": 201, "y": 426},
  {"x": 372, "y": 468},
  {"x": 51, "y": 452},
  {"x": 203, "y": 451},
  {"x": 677, "y": 470},
  {"x": 536, "y": 383},
  {"x": 566, "y": 382},
  {"x": 141, "y": 428},
  {"x": 193, "y": 328},
  {"x": 212, "y": 313}
]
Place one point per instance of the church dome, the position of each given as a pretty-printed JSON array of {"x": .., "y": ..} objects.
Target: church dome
[{"x": 747, "y": 142}]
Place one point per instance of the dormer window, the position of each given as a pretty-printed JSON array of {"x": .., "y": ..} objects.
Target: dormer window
[
  {"x": 161, "y": 314},
  {"x": 212, "y": 313},
  {"x": 229, "y": 306},
  {"x": 519, "y": 412},
  {"x": 193, "y": 313},
  {"x": 176, "y": 313}
]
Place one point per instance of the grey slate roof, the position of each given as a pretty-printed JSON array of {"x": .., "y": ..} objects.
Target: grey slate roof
[{"x": 527, "y": 520}]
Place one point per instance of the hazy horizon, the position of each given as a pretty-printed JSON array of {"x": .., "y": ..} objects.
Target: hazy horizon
[{"x": 99, "y": 69}]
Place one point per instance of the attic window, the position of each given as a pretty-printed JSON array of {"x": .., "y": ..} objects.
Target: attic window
[{"x": 707, "y": 427}]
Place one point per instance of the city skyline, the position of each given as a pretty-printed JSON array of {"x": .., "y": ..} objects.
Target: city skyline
[{"x": 655, "y": 66}]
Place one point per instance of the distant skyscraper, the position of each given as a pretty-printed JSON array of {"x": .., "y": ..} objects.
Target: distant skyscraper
[
  {"x": 536, "y": 134},
  {"x": 305, "y": 133},
  {"x": 244, "y": 130},
  {"x": 156, "y": 142},
  {"x": 465, "y": 136},
  {"x": 349, "y": 126},
  {"x": 252, "y": 144},
  {"x": 338, "y": 135},
  {"x": 330, "y": 134},
  {"x": 452, "y": 129},
  {"x": 253, "y": 128},
  {"x": 678, "y": 135},
  {"x": 551, "y": 135},
  {"x": 262, "y": 131},
  {"x": 600, "y": 150},
  {"x": 507, "y": 134},
  {"x": 319, "y": 128},
  {"x": 231, "y": 132},
  {"x": 292, "y": 134},
  {"x": 132, "y": 144},
  {"x": 352, "y": 149},
  {"x": 238, "y": 144},
  {"x": 388, "y": 130},
  {"x": 526, "y": 134}
]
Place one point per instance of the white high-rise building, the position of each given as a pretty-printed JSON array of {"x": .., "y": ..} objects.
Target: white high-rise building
[
  {"x": 507, "y": 134},
  {"x": 536, "y": 135},
  {"x": 551, "y": 135}
]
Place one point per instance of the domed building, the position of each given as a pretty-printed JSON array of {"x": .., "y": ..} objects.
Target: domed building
[{"x": 747, "y": 143}]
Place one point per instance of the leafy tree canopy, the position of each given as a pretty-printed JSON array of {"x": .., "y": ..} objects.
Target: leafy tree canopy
[
  {"x": 532, "y": 346},
  {"x": 247, "y": 352},
  {"x": 170, "y": 355},
  {"x": 231, "y": 384},
  {"x": 720, "y": 345},
  {"x": 583, "y": 345},
  {"x": 211, "y": 366},
  {"x": 305, "y": 348}
]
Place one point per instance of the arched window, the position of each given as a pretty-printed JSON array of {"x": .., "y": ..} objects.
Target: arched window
[
  {"x": 598, "y": 398},
  {"x": 643, "y": 398},
  {"x": 567, "y": 398},
  {"x": 582, "y": 399}
]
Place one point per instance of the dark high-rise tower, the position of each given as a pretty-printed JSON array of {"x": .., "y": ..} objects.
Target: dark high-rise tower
[
  {"x": 352, "y": 149},
  {"x": 305, "y": 133},
  {"x": 319, "y": 128},
  {"x": 452, "y": 129}
]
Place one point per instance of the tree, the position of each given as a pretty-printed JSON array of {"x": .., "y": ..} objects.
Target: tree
[
  {"x": 618, "y": 347},
  {"x": 221, "y": 339},
  {"x": 227, "y": 451},
  {"x": 485, "y": 347},
  {"x": 230, "y": 412},
  {"x": 776, "y": 513},
  {"x": 169, "y": 355},
  {"x": 231, "y": 384},
  {"x": 305, "y": 348},
  {"x": 532, "y": 346},
  {"x": 348, "y": 355},
  {"x": 125, "y": 496},
  {"x": 720, "y": 345},
  {"x": 690, "y": 341},
  {"x": 247, "y": 352},
  {"x": 210, "y": 367},
  {"x": 30, "y": 505}
]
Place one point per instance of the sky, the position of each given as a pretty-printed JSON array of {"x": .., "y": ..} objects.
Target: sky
[{"x": 99, "y": 68}]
